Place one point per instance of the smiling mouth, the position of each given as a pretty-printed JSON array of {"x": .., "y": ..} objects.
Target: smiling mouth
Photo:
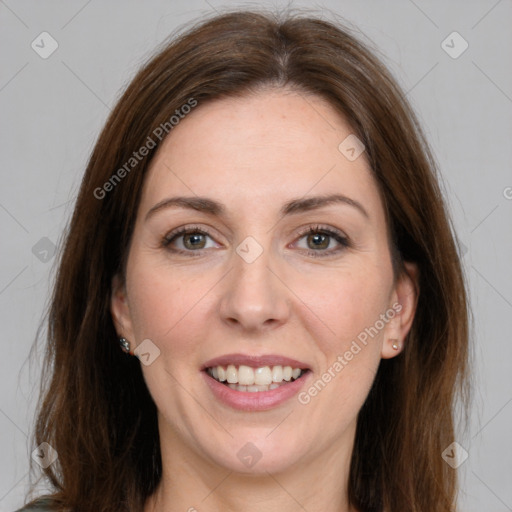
[{"x": 253, "y": 380}]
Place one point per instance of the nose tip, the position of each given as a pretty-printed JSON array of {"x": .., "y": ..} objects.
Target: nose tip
[{"x": 253, "y": 297}]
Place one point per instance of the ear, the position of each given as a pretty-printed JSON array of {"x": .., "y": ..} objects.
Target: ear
[
  {"x": 120, "y": 310},
  {"x": 404, "y": 299}
]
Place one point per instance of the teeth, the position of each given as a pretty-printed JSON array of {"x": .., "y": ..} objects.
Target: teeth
[
  {"x": 246, "y": 376},
  {"x": 254, "y": 389},
  {"x": 231, "y": 374},
  {"x": 263, "y": 376},
  {"x": 277, "y": 374},
  {"x": 221, "y": 373},
  {"x": 251, "y": 379}
]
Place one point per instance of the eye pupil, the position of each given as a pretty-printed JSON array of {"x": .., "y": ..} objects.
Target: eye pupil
[
  {"x": 194, "y": 240},
  {"x": 319, "y": 240}
]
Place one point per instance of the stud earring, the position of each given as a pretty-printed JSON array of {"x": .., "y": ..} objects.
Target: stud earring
[
  {"x": 125, "y": 345},
  {"x": 395, "y": 344}
]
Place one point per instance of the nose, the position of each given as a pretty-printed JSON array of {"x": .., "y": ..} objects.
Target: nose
[{"x": 254, "y": 298}]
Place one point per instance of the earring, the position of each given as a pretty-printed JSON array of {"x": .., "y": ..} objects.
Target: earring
[
  {"x": 395, "y": 344},
  {"x": 125, "y": 345}
]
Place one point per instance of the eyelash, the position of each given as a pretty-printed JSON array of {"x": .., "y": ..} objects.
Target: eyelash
[
  {"x": 330, "y": 232},
  {"x": 311, "y": 230}
]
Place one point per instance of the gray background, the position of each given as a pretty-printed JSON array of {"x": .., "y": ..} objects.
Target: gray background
[{"x": 53, "y": 109}]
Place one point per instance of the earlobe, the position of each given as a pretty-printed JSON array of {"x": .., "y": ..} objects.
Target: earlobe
[
  {"x": 391, "y": 347},
  {"x": 404, "y": 300}
]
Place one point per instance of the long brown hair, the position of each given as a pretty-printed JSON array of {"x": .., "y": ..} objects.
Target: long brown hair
[{"x": 96, "y": 411}]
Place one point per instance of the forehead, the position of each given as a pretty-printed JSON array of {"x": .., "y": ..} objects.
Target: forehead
[{"x": 269, "y": 146}]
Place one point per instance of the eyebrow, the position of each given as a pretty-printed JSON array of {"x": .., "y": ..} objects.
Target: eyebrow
[{"x": 295, "y": 206}]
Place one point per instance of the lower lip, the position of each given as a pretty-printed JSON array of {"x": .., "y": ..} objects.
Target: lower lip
[{"x": 258, "y": 401}]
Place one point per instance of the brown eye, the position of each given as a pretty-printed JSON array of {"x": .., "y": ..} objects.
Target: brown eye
[
  {"x": 188, "y": 240},
  {"x": 318, "y": 241},
  {"x": 194, "y": 241},
  {"x": 321, "y": 241}
]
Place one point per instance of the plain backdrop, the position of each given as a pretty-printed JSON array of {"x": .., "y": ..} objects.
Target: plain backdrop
[{"x": 53, "y": 108}]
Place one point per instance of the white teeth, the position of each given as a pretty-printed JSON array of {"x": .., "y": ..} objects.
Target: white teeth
[
  {"x": 263, "y": 376},
  {"x": 254, "y": 389},
  {"x": 221, "y": 373},
  {"x": 245, "y": 375},
  {"x": 250, "y": 379},
  {"x": 277, "y": 374},
  {"x": 231, "y": 374}
]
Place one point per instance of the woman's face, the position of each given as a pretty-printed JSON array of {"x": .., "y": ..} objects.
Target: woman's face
[{"x": 268, "y": 268}]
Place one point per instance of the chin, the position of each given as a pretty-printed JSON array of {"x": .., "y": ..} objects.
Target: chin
[{"x": 253, "y": 455}]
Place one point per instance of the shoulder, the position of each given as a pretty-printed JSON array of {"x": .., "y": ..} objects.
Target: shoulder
[{"x": 38, "y": 505}]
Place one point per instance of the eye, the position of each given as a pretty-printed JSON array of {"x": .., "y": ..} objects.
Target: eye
[
  {"x": 323, "y": 241},
  {"x": 188, "y": 239},
  {"x": 320, "y": 241}
]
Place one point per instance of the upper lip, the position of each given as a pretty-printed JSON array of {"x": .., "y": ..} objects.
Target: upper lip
[{"x": 254, "y": 361}]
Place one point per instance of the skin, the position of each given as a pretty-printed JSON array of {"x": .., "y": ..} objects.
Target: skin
[{"x": 253, "y": 154}]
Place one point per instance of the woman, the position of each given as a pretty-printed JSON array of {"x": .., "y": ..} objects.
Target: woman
[{"x": 259, "y": 301}]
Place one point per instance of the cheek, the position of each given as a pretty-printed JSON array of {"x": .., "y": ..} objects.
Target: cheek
[
  {"x": 347, "y": 301},
  {"x": 172, "y": 308},
  {"x": 349, "y": 304},
  {"x": 351, "y": 355},
  {"x": 364, "y": 301},
  {"x": 161, "y": 298}
]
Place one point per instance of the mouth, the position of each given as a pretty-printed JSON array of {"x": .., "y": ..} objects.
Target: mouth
[{"x": 255, "y": 379}]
